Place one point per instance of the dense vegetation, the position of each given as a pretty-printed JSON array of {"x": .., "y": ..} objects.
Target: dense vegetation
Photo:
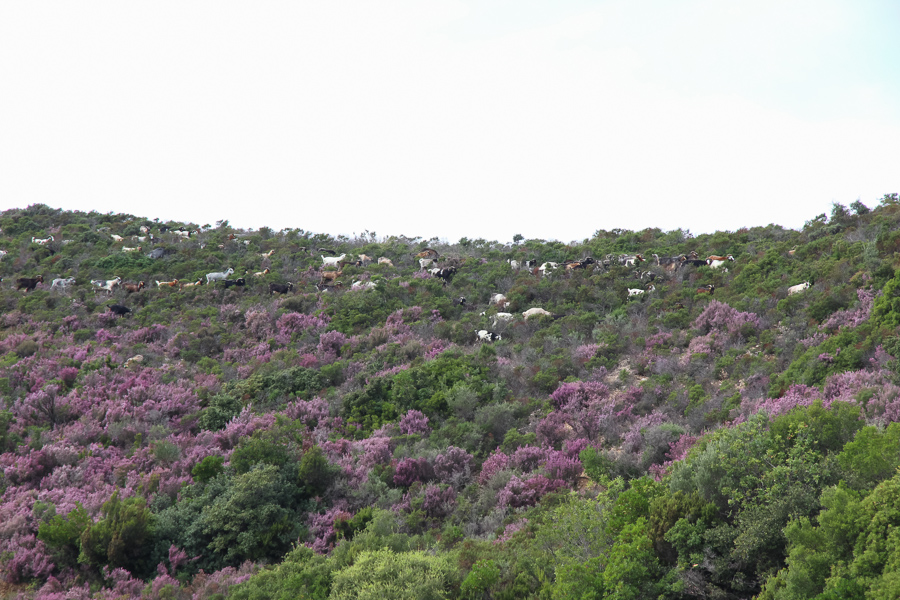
[{"x": 361, "y": 444}]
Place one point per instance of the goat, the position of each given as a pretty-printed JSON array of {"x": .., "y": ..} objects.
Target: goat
[
  {"x": 487, "y": 336},
  {"x": 62, "y": 284},
  {"x": 800, "y": 287},
  {"x": 3, "y": 253},
  {"x": 131, "y": 288},
  {"x": 715, "y": 261},
  {"x": 648, "y": 275},
  {"x": 240, "y": 282},
  {"x": 547, "y": 266},
  {"x": 385, "y": 261},
  {"x": 42, "y": 242},
  {"x": 262, "y": 273},
  {"x": 363, "y": 285},
  {"x": 144, "y": 229},
  {"x": 119, "y": 310},
  {"x": 268, "y": 254},
  {"x": 28, "y": 283},
  {"x": 332, "y": 261},
  {"x": 365, "y": 260},
  {"x": 706, "y": 289},
  {"x": 500, "y": 317},
  {"x": 461, "y": 301},
  {"x": 638, "y": 292},
  {"x": 425, "y": 262},
  {"x": 116, "y": 238},
  {"x": 513, "y": 264},
  {"x": 667, "y": 261},
  {"x": 107, "y": 284},
  {"x": 428, "y": 253},
  {"x": 792, "y": 250},
  {"x": 500, "y": 300},
  {"x": 324, "y": 287},
  {"x": 695, "y": 262},
  {"x": 195, "y": 283},
  {"x": 535, "y": 312},
  {"x": 281, "y": 288},
  {"x": 331, "y": 275},
  {"x": 631, "y": 260},
  {"x": 127, "y": 249},
  {"x": 579, "y": 264},
  {"x": 327, "y": 251},
  {"x": 445, "y": 274},
  {"x": 210, "y": 277},
  {"x": 173, "y": 283}
]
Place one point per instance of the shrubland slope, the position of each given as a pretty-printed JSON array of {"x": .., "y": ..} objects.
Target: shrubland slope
[{"x": 711, "y": 436}]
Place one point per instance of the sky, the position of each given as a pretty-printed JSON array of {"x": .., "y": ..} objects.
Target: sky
[{"x": 450, "y": 118}]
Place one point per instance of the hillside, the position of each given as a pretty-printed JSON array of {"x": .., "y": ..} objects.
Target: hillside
[{"x": 670, "y": 429}]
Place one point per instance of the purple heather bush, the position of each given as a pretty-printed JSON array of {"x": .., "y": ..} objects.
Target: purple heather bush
[
  {"x": 454, "y": 464},
  {"x": 321, "y": 528},
  {"x": 414, "y": 421},
  {"x": 518, "y": 493},
  {"x": 496, "y": 462},
  {"x": 720, "y": 317},
  {"x": 856, "y": 316},
  {"x": 411, "y": 470},
  {"x": 510, "y": 530}
]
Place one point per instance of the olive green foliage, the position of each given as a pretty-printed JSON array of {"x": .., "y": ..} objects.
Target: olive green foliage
[
  {"x": 384, "y": 574},
  {"x": 208, "y": 468},
  {"x": 886, "y": 310},
  {"x": 121, "y": 537},
  {"x": 424, "y": 387},
  {"x": 302, "y": 574},
  {"x": 811, "y": 368},
  {"x": 222, "y": 408},
  {"x": 278, "y": 386},
  {"x": 62, "y": 535}
]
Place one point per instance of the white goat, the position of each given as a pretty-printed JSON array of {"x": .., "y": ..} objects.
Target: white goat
[
  {"x": 534, "y": 312},
  {"x": 332, "y": 261},
  {"x": 800, "y": 287},
  {"x": 210, "y": 277}
]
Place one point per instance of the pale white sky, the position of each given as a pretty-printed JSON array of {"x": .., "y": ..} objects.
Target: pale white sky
[{"x": 452, "y": 118}]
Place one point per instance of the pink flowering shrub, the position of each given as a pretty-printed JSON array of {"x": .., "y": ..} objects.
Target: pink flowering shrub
[
  {"x": 718, "y": 316},
  {"x": 453, "y": 464},
  {"x": 496, "y": 462},
  {"x": 856, "y": 316},
  {"x": 412, "y": 470},
  {"x": 518, "y": 493},
  {"x": 414, "y": 421}
]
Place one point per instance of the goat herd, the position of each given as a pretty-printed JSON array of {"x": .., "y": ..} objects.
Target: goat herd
[{"x": 333, "y": 268}]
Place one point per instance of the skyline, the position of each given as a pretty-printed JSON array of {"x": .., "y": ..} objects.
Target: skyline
[{"x": 452, "y": 119}]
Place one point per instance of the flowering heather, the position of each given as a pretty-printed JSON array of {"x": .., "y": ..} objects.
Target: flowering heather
[
  {"x": 330, "y": 344},
  {"x": 322, "y": 531},
  {"x": 496, "y": 462},
  {"x": 519, "y": 493},
  {"x": 579, "y": 394},
  {"x": 511, "y": 530},
  {"x": 586, "y": 352},
  {"x": 453, "y": 463},
  {"x": 856, "y": 316},
  {"x": 660, "y": 339},
  {"x": 412, "y": 470},
  {"x": 718, "y": 316},
  {"x": 414, "y": 421}
]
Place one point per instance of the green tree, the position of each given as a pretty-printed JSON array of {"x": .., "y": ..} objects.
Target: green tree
[
  {"x": 383, "y": 574},
  {"x": 256, "y": 518}
]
